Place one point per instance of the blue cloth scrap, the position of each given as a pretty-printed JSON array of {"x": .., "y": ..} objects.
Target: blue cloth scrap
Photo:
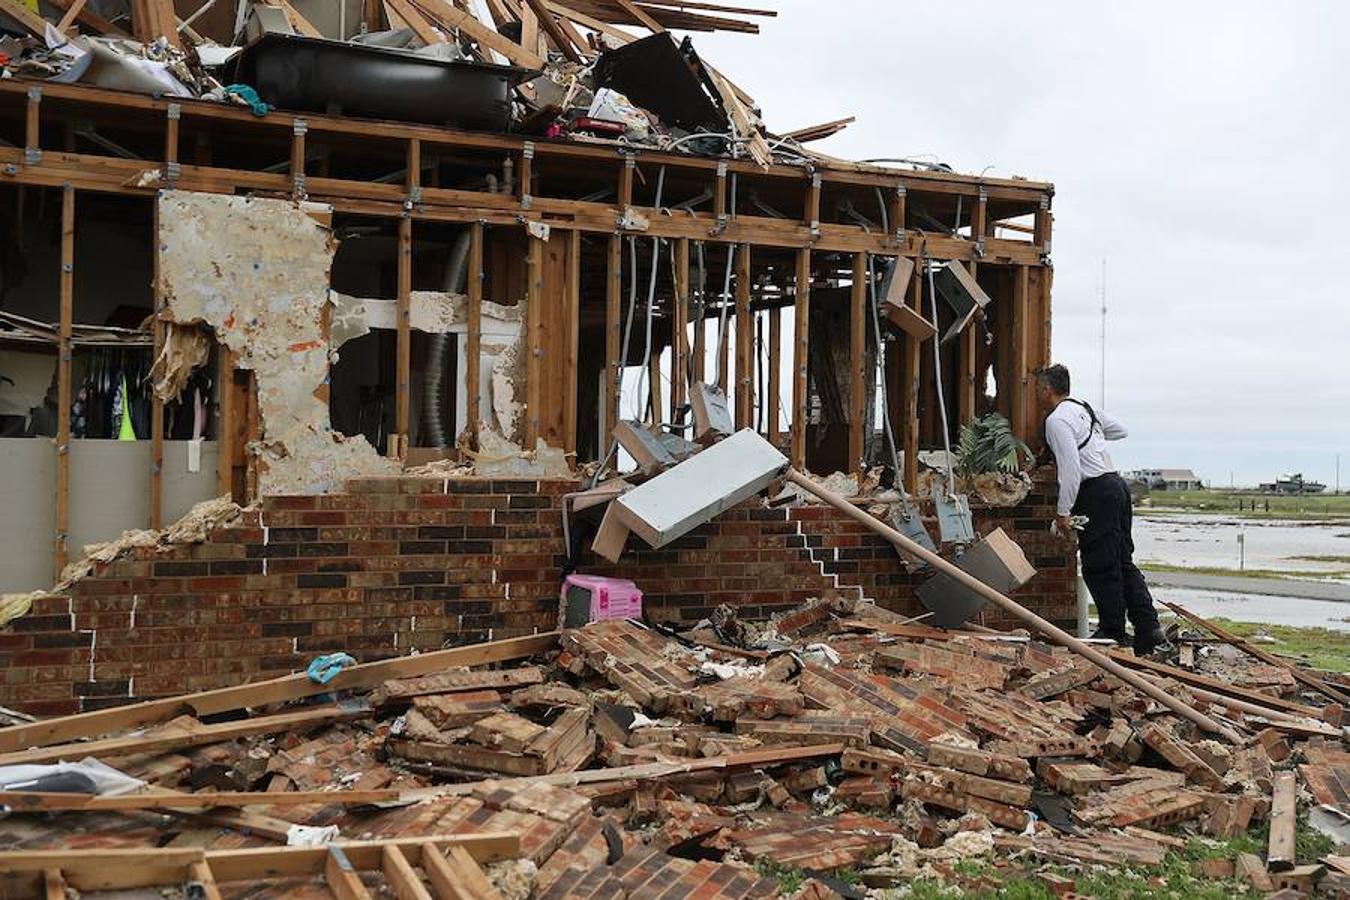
[
  {"x": 249, "y": 96},
  {"x": 324, "y": 669}
]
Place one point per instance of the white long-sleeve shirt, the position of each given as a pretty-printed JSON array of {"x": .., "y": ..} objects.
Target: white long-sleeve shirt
[{"x": 1065, "y": 429}]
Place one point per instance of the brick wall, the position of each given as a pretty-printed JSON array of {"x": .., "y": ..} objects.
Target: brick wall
[{"x": 401, "y": 564}]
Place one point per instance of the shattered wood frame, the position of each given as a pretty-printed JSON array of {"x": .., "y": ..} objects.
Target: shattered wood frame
[
  {"x": 450, "y": 864},
  {"x": 823, "y": 250}
]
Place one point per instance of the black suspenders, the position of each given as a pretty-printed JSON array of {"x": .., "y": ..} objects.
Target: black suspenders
[{"x": 1093, "y": 424}]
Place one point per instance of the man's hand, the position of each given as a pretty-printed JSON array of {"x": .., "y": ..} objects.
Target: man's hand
[{"x": 1064, "y": 525}]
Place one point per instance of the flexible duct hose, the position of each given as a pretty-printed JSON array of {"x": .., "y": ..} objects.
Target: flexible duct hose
[{"x": 456, "y": 278}]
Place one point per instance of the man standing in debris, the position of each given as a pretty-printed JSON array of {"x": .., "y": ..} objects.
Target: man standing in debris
[{"x": 1090, "y": 486}]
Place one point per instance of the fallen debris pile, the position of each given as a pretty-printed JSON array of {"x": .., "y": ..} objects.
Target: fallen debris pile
[{"x": 606, "y": 760}]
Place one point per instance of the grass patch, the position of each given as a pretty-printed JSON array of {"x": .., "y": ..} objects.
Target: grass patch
[
  {"x": 1268, "y": 506},
  {"x": 1177, "y": 878},
  {"x": 1274, "y": 574},
  {"x": 790, "y": 880},
  {"x": 1323, "y": 648}
]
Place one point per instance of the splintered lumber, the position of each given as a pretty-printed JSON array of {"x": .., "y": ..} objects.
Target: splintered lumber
[
  {"x": 455, "y": 875},
  {"x": 1269, "y": 659},
  {"x": 1281, "y": 854},
  {"x": 35, "y": 801},
  {"x": 114, "y": 870},
  {"x": 698, "y": 489},
  {"x": 186, "y": 733},
  {"x": 263, "y": 693},
  {"x": 1052, "y": 632}
]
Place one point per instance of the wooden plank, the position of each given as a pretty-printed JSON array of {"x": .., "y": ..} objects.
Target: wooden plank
[
  {"x": 555, "y": 33},
  {"x": 775, "y": 399},
  {"x": 857, "y": 356},
  {"x": 611, "y": 536},
  {"x": 227, "y": 423},
  {"x": 410, "y": 14},
  {"x": 26, "y": 17},
  {"x": 402, "y": 878},
  {"x": 950, "y": 184},
  {"x": 446, "y": 15},
  {"x": 200, "y": 872},
  {"x": 61, "y": 543},
  {"x": 745, "y": 369},
  {"x": 572, "y": 341},
  {"x": 262, "y": 693},
  {"x": 534, "y": 335},
  {"x": 156, "y": 514},
  {"x": 276, "y": 862},
  {"x": 86, "y": 16},
  {"x": 53, "y": 885},
  {"x": 455, "y": 875},
  {"x": 1022, "y": 401},
  {"x": 1281, "y": 854},
  {"x": 172, "y": 738},
  {"x": 69, "y": 18},
  {"x": 909, "y": 421},
  {"x": 152, "y": 19},
  {"x": 1212, "y": 684},
  {"x": 403, "y": 360},
  {"x": 298, "y": 21},
  {"x": 800, "y": 335},
  {"x": 342, "y": 878},
  {"x": 654, "y": 387},
  {"x": 613, "y": 324},
  {"x": 679, "y": 347},
  {"x": 474, "y": 338},
  {"x": 640, "y": 15},
  {"x": 1299, "y": 673},
  {"x": 34, "y": 801}
]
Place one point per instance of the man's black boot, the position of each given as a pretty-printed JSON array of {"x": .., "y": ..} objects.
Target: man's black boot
[
  {"x": 1120, "y": 637},
  {"x": 1149, "y": 642}
]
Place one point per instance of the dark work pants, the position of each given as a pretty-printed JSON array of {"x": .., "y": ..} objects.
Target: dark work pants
[{"x": 1116, "y": 584}]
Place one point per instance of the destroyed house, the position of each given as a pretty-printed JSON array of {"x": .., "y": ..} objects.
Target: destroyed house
[{"x": 396, "y": 279}]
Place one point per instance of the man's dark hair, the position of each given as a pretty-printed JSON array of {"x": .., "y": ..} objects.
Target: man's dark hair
[{"x": 1056, "y": 378}]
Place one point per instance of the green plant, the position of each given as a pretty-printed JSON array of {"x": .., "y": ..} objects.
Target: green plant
[{"x": 988, "y": 444}]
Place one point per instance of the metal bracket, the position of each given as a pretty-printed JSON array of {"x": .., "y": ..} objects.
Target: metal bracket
[
  {"x": 298, "y": 184},
  {"x": 527, "y": 150},
  {"x": 415, "y": 194},
  {"x": 172, "y": 171},
  {"x": 35, "y": 93},
  {"x": 979, "y": 249},
  {"x": 526, "y": 201},
  {"x": 32, "y": 156},
  {"x": 299, "y": 128},
  {"x": 174, "y": 112},
  {"x": 984, "y": 195}
]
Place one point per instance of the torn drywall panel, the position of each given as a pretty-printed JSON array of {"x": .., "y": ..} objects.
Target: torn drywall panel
[{"x": 257, "y": 272}]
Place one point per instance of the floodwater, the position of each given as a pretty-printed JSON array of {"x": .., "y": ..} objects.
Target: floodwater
[
  {"x": 1210, "y": 540},
  {"x": 1258, "y": 607}
]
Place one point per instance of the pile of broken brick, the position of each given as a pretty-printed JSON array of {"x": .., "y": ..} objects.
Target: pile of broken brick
[{"x": 840, "y": 741}]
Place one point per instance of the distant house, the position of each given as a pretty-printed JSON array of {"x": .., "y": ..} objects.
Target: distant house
[{"x": 1167, "y": 479}]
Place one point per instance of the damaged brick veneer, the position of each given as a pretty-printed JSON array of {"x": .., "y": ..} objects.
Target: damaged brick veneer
[{"x": 397, "y": 564}]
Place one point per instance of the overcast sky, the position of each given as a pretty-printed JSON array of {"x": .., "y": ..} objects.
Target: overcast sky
[{"x": 1200, "y": 147}]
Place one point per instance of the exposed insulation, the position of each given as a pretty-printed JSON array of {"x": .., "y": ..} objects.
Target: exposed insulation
[
  {"x": 257, "y": 272},
  {"x": 186, "y": 347}
]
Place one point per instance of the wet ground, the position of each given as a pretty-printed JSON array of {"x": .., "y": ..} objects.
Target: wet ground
[
  {"x": 1210, "y": 541},
  {"x": 1259, "y": 607}
]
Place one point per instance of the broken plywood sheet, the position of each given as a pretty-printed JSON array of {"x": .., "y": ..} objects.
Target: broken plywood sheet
[
  {"x": 698, "y": 489},
  {"x": 256, "y": 271}
]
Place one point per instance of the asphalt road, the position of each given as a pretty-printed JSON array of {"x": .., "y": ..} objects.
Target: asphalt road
[{"x": 1271, "y": 587}]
